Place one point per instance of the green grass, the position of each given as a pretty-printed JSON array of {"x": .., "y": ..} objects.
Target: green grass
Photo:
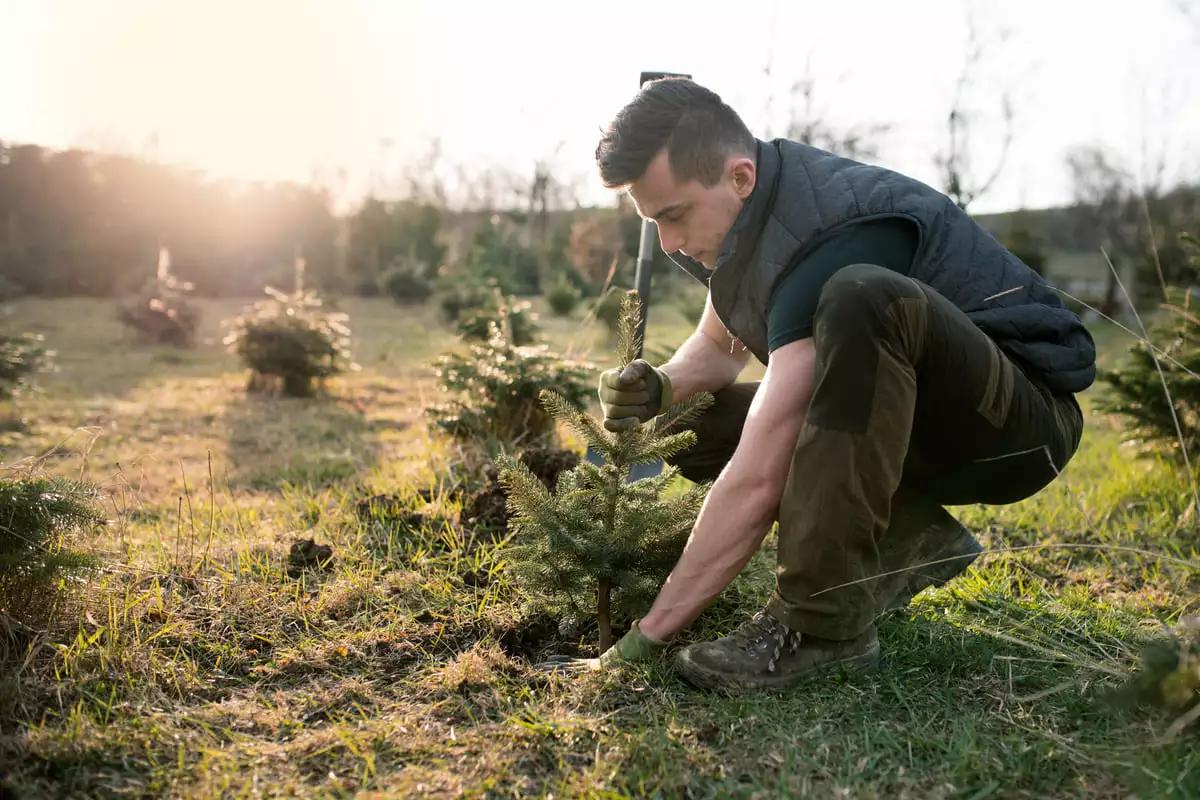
[{"x": 196, "y": 667}]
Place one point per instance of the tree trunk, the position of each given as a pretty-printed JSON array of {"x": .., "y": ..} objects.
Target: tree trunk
[{"x": 603, "y": 588}]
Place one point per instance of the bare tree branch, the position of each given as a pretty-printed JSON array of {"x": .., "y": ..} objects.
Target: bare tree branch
[{"x": 955, "y": 161}]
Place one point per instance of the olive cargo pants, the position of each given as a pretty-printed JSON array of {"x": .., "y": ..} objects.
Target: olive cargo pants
[{"x": 913, "y": 409}]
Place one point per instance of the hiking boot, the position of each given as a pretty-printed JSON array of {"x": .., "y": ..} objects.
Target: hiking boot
[
  {"x": 763, "y": 653},
  {"x": 941, "y": 551}
]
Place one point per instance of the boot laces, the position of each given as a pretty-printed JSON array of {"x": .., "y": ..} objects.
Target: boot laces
[{"x": 763, "y": 633}]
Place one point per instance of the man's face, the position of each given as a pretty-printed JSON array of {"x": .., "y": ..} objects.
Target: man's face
[{"x": 693, "y": 218}]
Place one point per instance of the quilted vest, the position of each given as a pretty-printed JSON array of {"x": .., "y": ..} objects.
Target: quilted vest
[{"x": 803, "y": 195}]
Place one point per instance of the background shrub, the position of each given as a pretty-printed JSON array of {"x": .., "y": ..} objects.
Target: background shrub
[
  {"x": 290, "y": 343},
  {"x": 160, "y": 312},
  {"x": 562, "y": 297},
  {"x": 405, "y": 282},
  {"x": 492, "y": 392}
]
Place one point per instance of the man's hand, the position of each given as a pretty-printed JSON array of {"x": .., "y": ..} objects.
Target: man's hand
[
  {"x": 633, "y": 395},
  {"x": 633, "y": 646}
]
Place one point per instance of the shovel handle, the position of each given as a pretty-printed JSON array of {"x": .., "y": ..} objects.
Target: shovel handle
[
  {"x": 645, "y": 262},
  {"x": 654, "y": 76}
]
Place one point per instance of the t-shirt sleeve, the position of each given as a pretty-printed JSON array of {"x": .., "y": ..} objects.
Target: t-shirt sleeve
[{"x": 890, "y": 243}]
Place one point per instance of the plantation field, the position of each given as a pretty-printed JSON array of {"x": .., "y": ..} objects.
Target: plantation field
[{"x": 196, "y": 664}]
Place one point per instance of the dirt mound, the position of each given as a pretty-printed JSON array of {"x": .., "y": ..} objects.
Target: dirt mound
[
  {"x": 536, "y": 638},
  {"x": 547, "y": 462},
  {"x": 307, "y": 554}
]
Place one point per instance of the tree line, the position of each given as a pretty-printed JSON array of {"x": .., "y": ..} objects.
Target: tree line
[{"x": 76, "y": 222}]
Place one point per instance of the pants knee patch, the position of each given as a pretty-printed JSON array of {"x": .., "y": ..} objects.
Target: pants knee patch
[{"x": 864, "y": 313}]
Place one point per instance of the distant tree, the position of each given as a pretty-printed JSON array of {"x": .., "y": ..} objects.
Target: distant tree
[
  {"x": 808, "y": 125},
  {"x": 79, "y": 222},
  {"x": 807, "y": 120},
  {"x": 1136, "y": 221},
  {"x": 598, "y": 244},
  {"x": 1022, "y": 241},
  {"x": 382, "y": 234},
  {"x": 961, "y": 179},
  {"x": 1104, "y": 212}
]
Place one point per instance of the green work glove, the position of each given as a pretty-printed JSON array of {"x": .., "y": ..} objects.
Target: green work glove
[
  {"x": 633, "y": 646},
  {"x": 638, "y": 393}
]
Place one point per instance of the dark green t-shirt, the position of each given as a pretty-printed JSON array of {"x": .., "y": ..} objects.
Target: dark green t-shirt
[{"x": 890, "y": 242}]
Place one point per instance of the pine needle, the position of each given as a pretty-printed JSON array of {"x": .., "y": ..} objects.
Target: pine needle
[{"x": 628, "y": 342}]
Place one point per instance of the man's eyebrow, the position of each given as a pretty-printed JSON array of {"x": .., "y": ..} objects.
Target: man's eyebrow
[{"x": 662, "y": 212}]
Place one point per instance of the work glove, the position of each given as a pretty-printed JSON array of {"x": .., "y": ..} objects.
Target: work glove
[
  {"x": 633, "y": 646},
  {"x": 633, "y": 395}
]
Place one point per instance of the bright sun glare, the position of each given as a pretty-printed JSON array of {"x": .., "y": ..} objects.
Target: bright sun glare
[{"x": 296, "y": 89}]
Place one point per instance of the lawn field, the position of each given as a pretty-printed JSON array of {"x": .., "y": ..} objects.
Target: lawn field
[{"x": 194, "y": 665}]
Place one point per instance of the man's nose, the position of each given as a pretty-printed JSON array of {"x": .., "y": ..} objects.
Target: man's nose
[{"x": 670, "y": 239}]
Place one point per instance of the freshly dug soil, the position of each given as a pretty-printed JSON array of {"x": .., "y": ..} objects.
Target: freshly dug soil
[
  {"x": 537, "y": 638},
  {"x": 307, "y": 554}
]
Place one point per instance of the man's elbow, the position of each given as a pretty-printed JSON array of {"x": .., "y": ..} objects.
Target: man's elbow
[
  {"x": 762, "y": 487},
  {"x": 768, "y": 463}
]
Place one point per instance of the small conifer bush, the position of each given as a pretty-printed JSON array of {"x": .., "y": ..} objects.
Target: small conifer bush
[
  {"x": 459, "y": 296},
  {"x": 405, "y": 282},
  {"x": 21, "y": 356},
  {"x": 608, "y": 310},
  {"x": 1160, "y": 390},
  {"x": 161, "y": 312},
  {"x": 515, "y": 317},
  {"x": 290, "y": 343},
  {"x": 562, "y": 297},
  {"x": 1169, "y": 676},
  {"x": 39, "y": 516},
  {"x": 492, "y": 391},
  {"x": 598, "y": 545}
]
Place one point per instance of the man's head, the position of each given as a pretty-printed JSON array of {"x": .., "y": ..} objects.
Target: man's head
[{"x": 688, "y": 161}]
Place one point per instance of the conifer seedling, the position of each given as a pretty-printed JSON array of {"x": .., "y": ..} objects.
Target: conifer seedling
[{"x": 599, "y": 544}]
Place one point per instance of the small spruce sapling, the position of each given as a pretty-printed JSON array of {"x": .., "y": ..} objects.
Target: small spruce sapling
[
  {"x": 599, "y": 543},
  {"x": 290, "y": 342},
  {"x": 39, "y": 518},
  {"x": 161, "y": 312},
  {"x": 1161, "y": 417}
]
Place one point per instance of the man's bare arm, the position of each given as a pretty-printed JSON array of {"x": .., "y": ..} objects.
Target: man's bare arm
[
  {"x": 708, "y": 361},
  {"x": 744, "y": 500}
]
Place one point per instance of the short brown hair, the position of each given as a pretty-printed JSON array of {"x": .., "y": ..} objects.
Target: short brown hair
[{"x": 698, "y": 129}]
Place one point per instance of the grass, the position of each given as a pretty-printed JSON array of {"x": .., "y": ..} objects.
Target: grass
[{"x": 198, "y": 668}]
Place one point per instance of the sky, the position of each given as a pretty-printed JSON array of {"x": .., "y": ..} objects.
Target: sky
[{"x": 310, "y": 90}]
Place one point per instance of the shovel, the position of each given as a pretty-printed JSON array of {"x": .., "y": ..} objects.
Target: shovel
[{"x": 641, "y": 282}]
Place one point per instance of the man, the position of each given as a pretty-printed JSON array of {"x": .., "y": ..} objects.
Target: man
[{"x": 911, "y": 363}]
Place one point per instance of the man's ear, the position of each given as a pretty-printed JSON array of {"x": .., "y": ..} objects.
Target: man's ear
[{"x": 742, "y": 174}]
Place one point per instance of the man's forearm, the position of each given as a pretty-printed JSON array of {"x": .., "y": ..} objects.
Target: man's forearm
[
  {"x": 702, "y": 365},
  {"x": 736, "y": 516},
  {"x": 744, "y": 500}
]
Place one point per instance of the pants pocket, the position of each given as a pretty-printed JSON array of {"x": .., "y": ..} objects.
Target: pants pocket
[{"x": 997, "y": 395}]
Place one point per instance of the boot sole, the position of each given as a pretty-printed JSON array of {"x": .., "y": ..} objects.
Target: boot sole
[
  {"x": 705, "y": 678},
  {"x": 964, "y": 552}
]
